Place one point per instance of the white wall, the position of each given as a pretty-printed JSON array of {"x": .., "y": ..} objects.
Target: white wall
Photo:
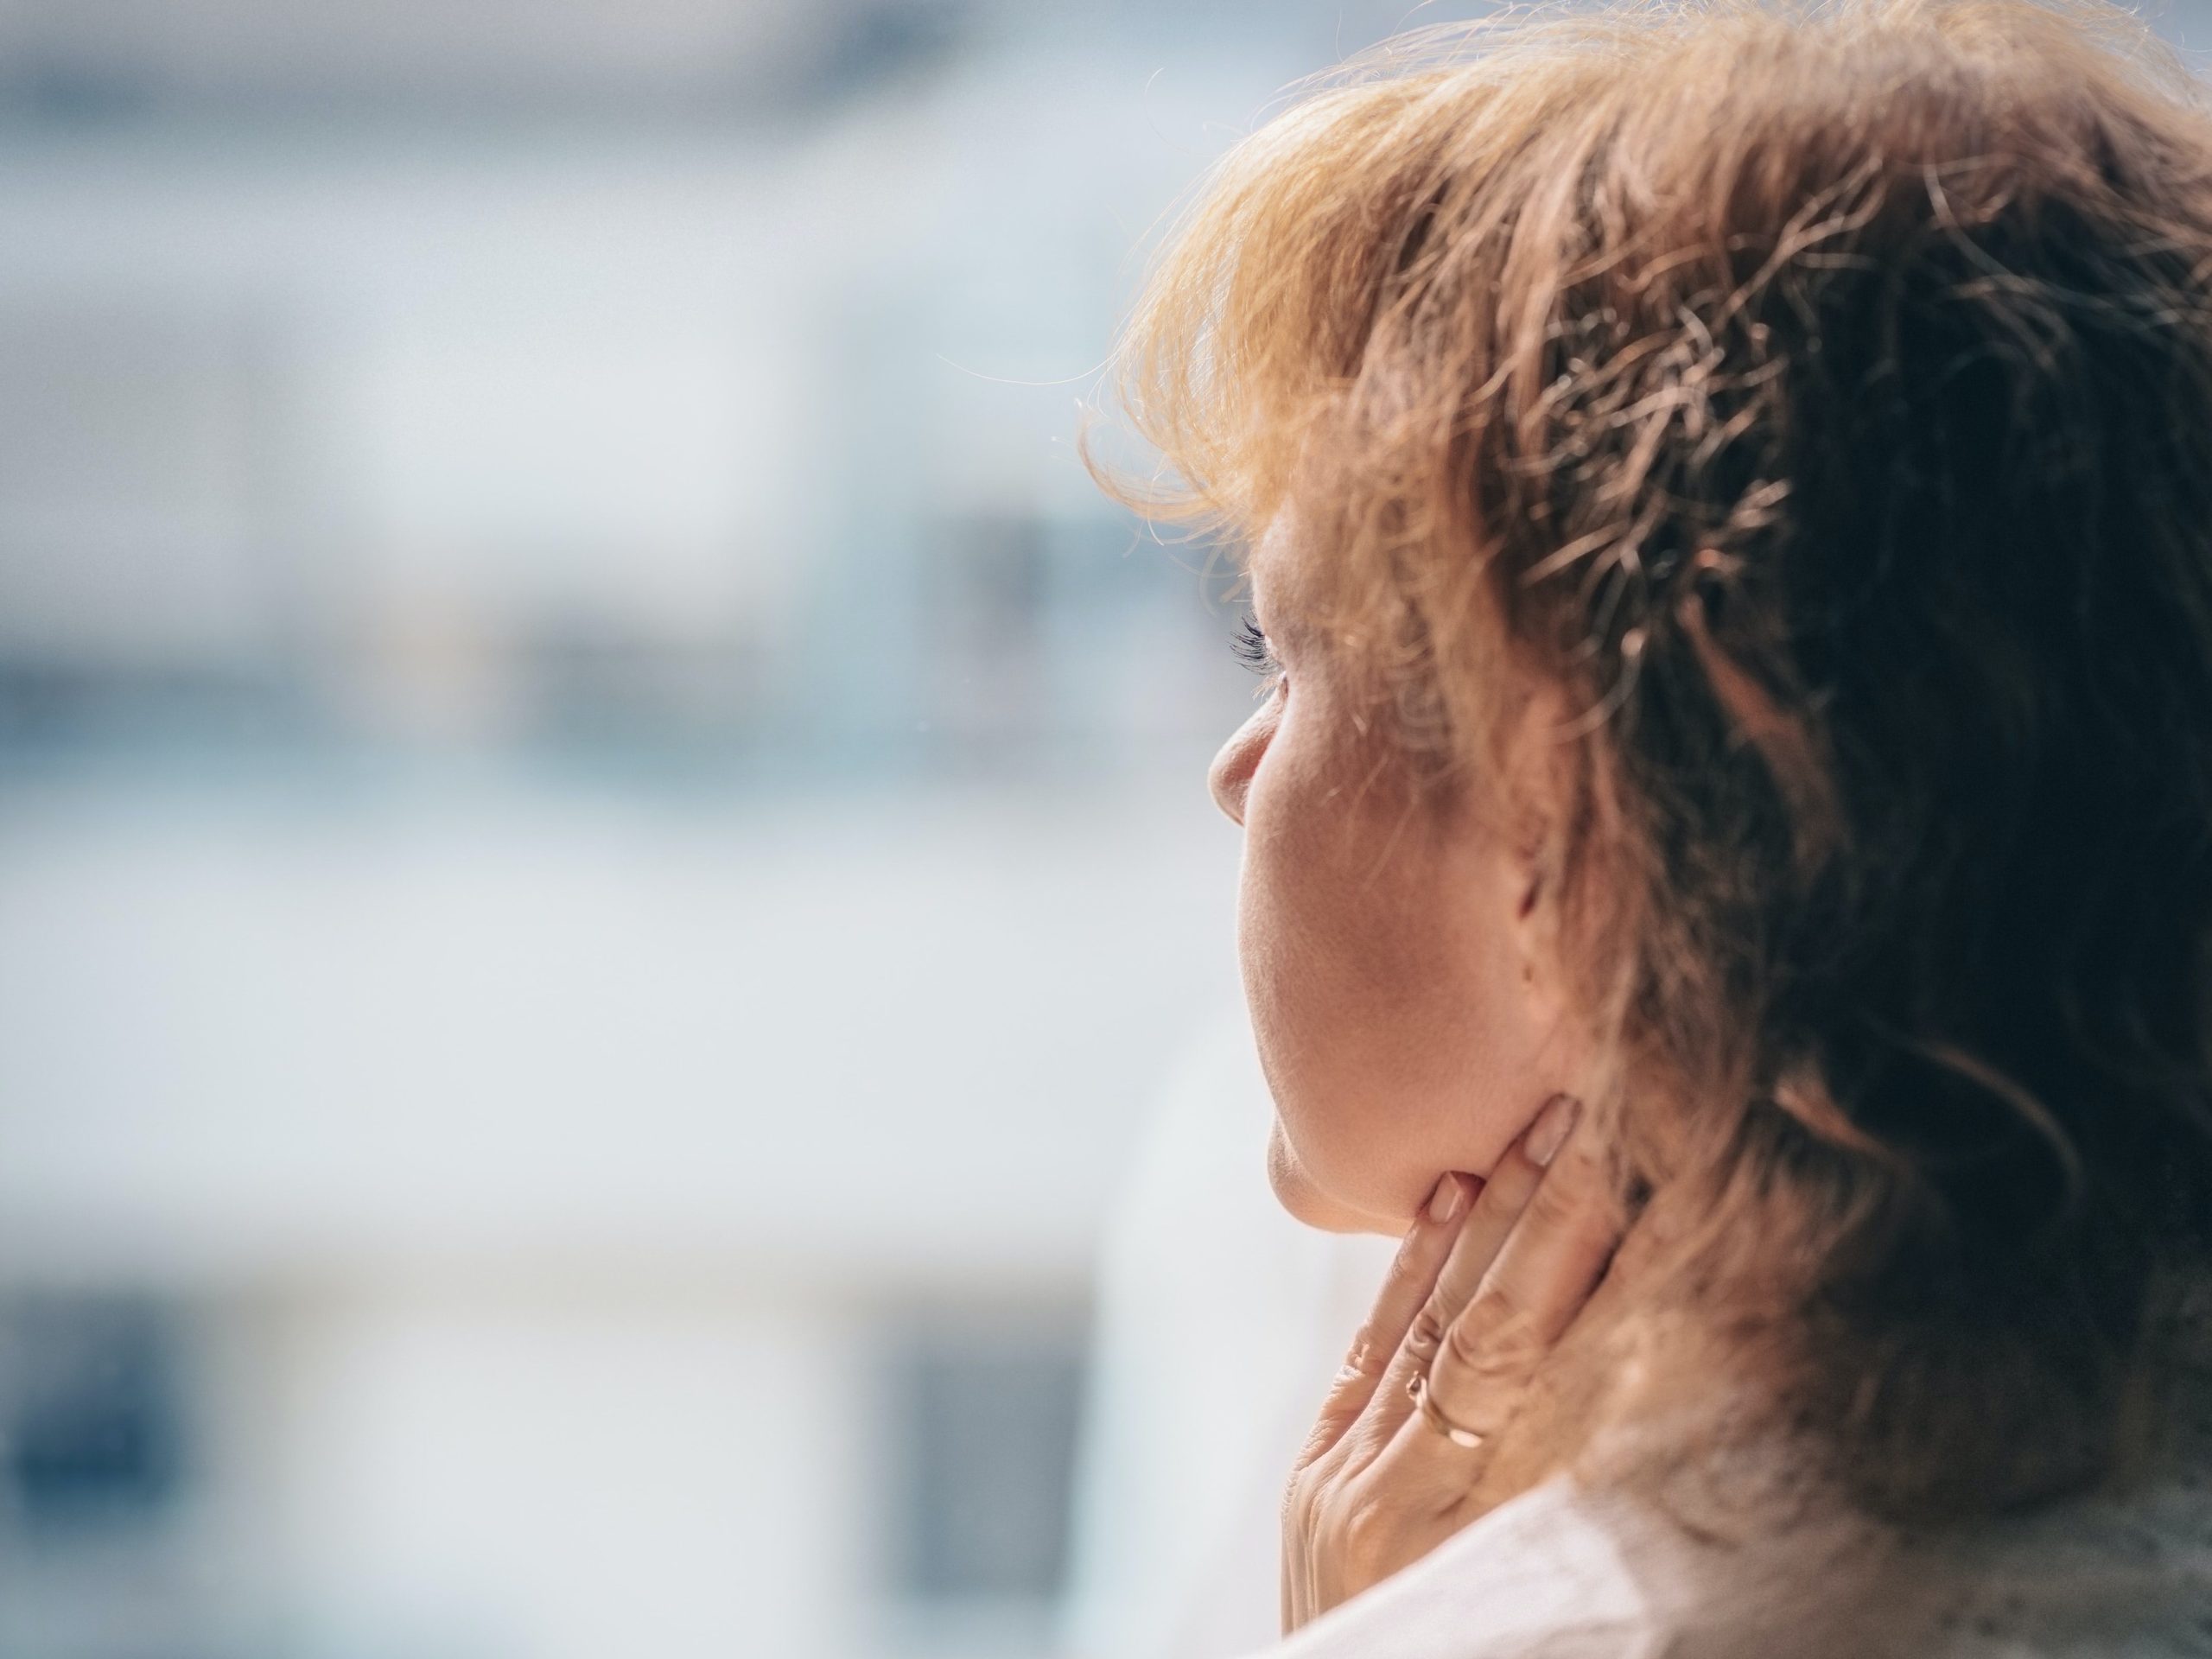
[{"x": 530, "y": 1471}]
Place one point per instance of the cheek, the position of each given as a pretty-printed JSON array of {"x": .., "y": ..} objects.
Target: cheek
[{"x": 1385, "y": 992}]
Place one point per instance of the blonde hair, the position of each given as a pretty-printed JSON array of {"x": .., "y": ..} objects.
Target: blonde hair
[{"x": 1822, "y": 398}]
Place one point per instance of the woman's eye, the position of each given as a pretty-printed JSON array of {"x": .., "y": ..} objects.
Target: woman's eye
[{"x": 1253, "y": 650}]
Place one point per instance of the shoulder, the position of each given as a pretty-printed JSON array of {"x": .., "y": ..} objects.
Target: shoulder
[
  {"x": 1753, "y": 1558},
  {"x": 1565, "y": 1572}
]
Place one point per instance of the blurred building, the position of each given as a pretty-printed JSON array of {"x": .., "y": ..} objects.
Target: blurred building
[
  {"x": 601, "y": 838},
  {"x": 603, "y": 851}
]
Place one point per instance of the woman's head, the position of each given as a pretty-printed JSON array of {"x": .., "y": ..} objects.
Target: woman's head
[
  {"x": 1734, "y": 490},
  {"x": 1408, "y": 1010}
]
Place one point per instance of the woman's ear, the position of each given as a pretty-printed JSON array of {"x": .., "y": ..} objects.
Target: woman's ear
[
  {"x": 1532, "y": 883},
  {"x": 1536, "y": 766},
  {"x": 1533, "y": 914}
]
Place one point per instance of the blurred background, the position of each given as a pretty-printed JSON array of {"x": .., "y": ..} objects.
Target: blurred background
[{"x": 617, "y": 1000}]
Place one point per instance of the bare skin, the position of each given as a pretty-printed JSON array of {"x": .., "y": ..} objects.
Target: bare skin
[
  {"x": 1412, "y": 1024},
  {"x": 1396, "y": 954},
  {"x": 1489, "y": 1280}
]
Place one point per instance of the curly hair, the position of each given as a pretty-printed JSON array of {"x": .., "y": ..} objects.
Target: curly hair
[{"x": 1822, "y": 398}]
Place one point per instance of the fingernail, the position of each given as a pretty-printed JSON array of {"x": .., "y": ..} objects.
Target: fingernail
[
  {"x": 1448, "y": 1199},
  {"x": 1549, "y": 1132}
]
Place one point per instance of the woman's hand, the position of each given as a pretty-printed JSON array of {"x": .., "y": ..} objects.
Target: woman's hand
[{"x": 1478, "y": 1296}]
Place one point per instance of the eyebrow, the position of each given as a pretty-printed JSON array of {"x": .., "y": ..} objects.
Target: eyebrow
[
  {"x": 1283, "y": 627},
  {"x": 1254, "y": 588},
  {"x": 1260, "y": 564}
]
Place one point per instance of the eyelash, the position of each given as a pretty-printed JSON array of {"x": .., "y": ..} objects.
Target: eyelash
[{"x": 1253, "y": 650}]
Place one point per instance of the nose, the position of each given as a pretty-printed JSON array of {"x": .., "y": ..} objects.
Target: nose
[{"x": 1229, "y": 777}]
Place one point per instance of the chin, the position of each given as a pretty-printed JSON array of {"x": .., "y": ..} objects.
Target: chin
[{"x": 1308, "y": 1201}]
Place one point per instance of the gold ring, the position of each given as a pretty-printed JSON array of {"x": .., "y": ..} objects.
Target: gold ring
[{"x": 1418, "y": 1387}]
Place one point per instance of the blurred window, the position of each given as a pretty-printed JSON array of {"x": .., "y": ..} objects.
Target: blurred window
[
  {"x": 988, "y": 586},
  {"x": 986, "y": 1422},
  {"x": 88, "y": 1409}
]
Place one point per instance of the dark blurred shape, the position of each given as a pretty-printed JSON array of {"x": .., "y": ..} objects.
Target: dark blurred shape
[
  {"x": 869, "y": 44},
  {"x": 88, "y": 1399},
  {"x": 70, "y": 66},
  {"x": 984, "y": 1421}
]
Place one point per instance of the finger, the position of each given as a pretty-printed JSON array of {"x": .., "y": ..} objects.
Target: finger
[
  {"x": 1544, "y": 1273},
  {"x": 1505, "y": 1196},
  {"x": 1412, "y": 1275}
]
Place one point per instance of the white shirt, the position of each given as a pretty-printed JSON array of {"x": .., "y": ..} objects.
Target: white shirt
[{"x": 1560, "y": 1573}]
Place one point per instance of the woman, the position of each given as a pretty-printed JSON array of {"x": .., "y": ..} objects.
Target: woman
[{"x": 1728, "y": 834}]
